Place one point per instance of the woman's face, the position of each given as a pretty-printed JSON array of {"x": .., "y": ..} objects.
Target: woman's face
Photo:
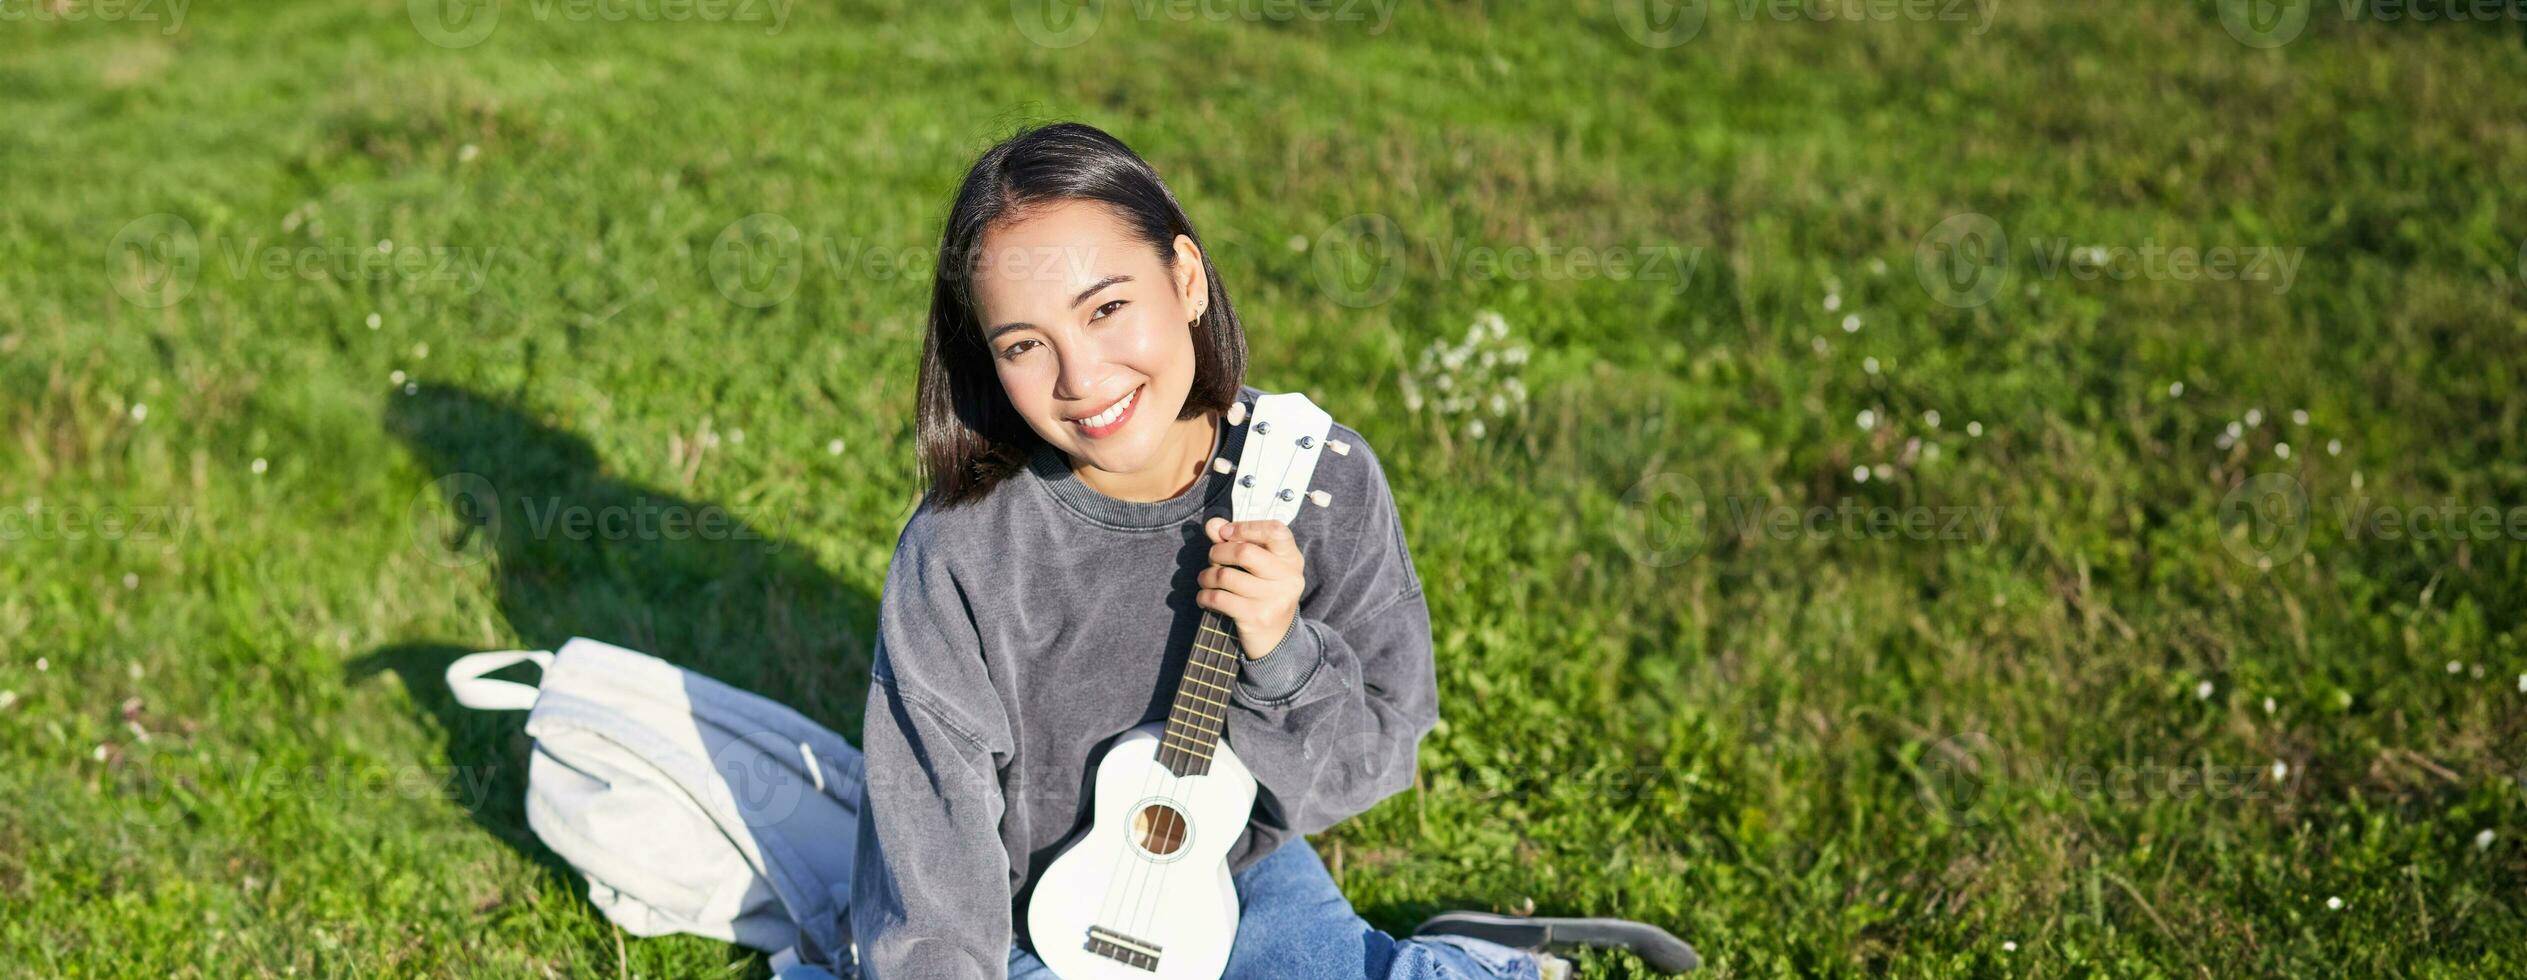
[{"x": 1090, "y": 332}]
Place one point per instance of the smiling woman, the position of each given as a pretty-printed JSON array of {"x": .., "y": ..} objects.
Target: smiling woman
[
  {"x": 1099, "y": 290},
  {"x": 1044, "y": 607}
]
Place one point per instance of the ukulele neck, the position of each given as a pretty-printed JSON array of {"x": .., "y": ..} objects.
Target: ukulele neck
[{"x": 1201, "y": 706}]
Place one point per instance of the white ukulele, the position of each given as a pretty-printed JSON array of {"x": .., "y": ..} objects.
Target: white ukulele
[{"x": 1144, "y": 892}]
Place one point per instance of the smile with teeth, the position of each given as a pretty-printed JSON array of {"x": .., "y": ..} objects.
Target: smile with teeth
[{"x": 1097, "y": 424}]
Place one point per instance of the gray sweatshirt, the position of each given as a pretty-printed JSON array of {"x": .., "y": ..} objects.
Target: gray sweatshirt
[{"x": 1019, "y": 634}]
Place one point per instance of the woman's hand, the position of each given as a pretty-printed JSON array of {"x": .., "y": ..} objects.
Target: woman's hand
[{"x": 1255, "y": 578}]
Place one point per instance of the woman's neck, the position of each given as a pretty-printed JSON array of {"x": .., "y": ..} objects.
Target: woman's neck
[{"x": 1182, "y": 457}]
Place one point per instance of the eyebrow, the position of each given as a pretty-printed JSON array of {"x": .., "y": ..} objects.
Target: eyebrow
[{"x": 1075, "y": 301}]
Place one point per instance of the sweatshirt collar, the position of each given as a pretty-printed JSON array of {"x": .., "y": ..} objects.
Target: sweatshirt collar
[{"x": 1052, "y": 472}]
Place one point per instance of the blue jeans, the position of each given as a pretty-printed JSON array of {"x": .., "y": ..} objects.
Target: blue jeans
[{"x": 1294, "y": 923}]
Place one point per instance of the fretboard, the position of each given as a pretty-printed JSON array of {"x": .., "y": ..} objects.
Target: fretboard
[{"x": 1201, "y": 707}]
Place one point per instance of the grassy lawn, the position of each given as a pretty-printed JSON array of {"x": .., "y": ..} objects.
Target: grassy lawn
[{"x": 2034, "y": 492}]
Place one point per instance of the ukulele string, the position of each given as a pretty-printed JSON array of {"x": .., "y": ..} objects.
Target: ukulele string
[{"x": 1167, "y": 872}]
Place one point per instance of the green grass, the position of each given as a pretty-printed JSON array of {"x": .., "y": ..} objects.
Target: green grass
[{"x": 1845, "y": 752}]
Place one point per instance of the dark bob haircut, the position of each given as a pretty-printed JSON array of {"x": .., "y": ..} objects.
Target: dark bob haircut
[{"x": 969, "y": 437}]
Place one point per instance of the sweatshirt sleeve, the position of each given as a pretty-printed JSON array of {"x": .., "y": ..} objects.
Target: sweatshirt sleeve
[
  {"x": 930, "y": 898},
  {"x": 1331, "y": 720}
]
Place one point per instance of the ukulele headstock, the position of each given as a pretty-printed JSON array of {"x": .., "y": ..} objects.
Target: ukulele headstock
[{"x": 1285, "y": 436}]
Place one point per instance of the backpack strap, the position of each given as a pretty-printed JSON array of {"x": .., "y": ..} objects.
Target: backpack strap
[{"x": 465, "y": 680}]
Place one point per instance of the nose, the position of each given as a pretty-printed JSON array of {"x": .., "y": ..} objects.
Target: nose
[{"x": 1083, "y": 368}]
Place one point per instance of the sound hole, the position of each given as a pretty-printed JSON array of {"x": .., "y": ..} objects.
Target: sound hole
[{"x": 1159, "y": 828}]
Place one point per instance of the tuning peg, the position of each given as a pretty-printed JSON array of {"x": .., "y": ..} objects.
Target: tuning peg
[
  {"x": 1237, "y": 413},
  {"x": 1220, "y": 464},
  {"x": 1339, "y": 447},
  {"x": 1320, "y": 498}
]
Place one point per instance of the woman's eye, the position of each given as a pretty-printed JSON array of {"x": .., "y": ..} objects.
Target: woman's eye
[
  {"x": 1108, "y": 307},
  {"x": 1016, "y": 349}
]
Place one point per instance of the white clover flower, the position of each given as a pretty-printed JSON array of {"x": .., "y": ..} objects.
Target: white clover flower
[
  {"x": 2009, "y": 946},
  {"x": 140, "y": 412},
  {"x": 2202, "y": 691},
  {"x": 2333, "y": 447},
  {"x": 2281, "y": 449},
  {"x": 1868, "y": 365},
  {"x": 1974, "y": 429},
  {"x": 2298, "y": 416},
  {"x": 467, "y": 153},
  {"x": 1883, "y": 471},
  {"x": 130, "y": 581},
  {"x": 2334, "y": 902},
  {"x": 376, "y": 321},
  {"x": 1860, "y": 474},
  {"x": 1851, "y": 323},
  {"x": 833, "y": 447},
  {"x": 1474, "y": 428},
  {"x": 1867, "y": 420},
  {"x": 2281, "y": 770},
  {"x": 2482, "y": 838},
  {"x": 421, "y": 351},
  {"x": 43, "y": 664},
  {"x": 396, "y": 376},
  {"x": 7, "y": 698},
  {"x": 2456, "y": 667},
  {"x": 2254, "y": 417},
  {"x": 1833, "y": 302},
  {"x": 259, "y": 466},
  {"x": 2175, "y": 389},
  {"x": 2268, "y": 705}
]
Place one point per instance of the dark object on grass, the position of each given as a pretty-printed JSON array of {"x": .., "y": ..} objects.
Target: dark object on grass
[{"x": 1660, "y": 948}]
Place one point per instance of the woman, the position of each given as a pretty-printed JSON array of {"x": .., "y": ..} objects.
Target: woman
[{"x": 1081, "y": 351}]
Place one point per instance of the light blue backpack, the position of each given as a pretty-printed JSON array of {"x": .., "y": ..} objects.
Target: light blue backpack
[{"x": 691, "y": 806}]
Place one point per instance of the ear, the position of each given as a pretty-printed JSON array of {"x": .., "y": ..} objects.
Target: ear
[{"x": 1193, "y": 282}]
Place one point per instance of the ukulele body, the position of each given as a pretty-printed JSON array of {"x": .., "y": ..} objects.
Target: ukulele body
[{"x": 1145, "y": 892}]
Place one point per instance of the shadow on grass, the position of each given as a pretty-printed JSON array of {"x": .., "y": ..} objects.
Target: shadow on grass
[{"x": 574, "y": 551}]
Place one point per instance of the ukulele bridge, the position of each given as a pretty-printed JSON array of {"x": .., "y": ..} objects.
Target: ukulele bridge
[{"x": 1122, "y": 949}]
